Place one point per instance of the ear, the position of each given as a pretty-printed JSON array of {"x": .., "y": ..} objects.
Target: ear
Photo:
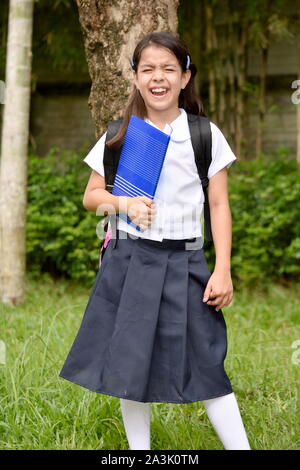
[{"x": 186, "y": 78}]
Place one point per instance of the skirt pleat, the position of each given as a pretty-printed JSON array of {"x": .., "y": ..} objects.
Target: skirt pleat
[{"x": 146, "y": 335}]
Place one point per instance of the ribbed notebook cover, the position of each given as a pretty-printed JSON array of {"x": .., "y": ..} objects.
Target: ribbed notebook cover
[{"x": 141, "y": 160}]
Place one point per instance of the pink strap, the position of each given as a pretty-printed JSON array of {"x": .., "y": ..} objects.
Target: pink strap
[
  {"x": 105, "y": 243},
  {"x": 107, "y": 237}
]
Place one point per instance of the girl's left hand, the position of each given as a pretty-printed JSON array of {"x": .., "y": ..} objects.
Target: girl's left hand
[{"x": 219, "y": 288}]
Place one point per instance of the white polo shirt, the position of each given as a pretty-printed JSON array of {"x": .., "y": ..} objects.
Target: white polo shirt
[{"x": 179, "y": 196}]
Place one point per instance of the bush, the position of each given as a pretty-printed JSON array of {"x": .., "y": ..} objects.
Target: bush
[
  {"x": 61, "y": 233},
  {"x": 264, "y": 201}
]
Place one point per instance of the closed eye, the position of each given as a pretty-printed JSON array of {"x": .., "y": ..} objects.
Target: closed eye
[{"x": 149, "y": 70}]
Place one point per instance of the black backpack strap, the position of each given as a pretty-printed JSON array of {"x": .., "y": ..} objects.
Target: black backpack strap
[
  {"x": 110, "y": 155},
  {"x": 110, "y": 162},
  {"x": 202, "y": 143}
]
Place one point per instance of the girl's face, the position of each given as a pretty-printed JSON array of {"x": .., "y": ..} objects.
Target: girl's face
[{"x": 159, "y": 69}]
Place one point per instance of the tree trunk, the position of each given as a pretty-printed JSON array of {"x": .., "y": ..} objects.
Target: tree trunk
[
  {"x": 223, "y": 82},
  {"x": 3, "y": 44},
  {"x": 298, "y": 114},
  {"x": 241, "y": 78},
  {"x": 231, "y": 80},
  {"x": 14, "y": 147},
  {"x": 192, "y": 33},
  {"x": 262, "y": 98},
  {"x": 211, "y": 65},
  {"x": 111, "y": 30}
]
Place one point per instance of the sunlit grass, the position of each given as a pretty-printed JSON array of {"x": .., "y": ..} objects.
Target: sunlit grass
[{"x": 39, "y": 410}]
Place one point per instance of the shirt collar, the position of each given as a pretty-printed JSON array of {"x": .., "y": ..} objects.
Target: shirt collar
[{"x": 178, "y": 129}]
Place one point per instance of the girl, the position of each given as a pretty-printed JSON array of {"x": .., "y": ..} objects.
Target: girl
[{"x": 153, "y": 329}]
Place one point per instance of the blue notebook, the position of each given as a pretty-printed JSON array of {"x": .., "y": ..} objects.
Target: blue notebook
[{"x": 141, "y": 160}]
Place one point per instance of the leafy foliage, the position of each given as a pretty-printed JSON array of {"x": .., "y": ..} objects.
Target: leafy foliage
[
  {"x": 265, "y": 208},
  {"x": 61, "y": 233},
  {"x": 57, "y": 42}
]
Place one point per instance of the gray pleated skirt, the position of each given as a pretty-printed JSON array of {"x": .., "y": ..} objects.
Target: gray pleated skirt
[{"x": 146, "y": 335}]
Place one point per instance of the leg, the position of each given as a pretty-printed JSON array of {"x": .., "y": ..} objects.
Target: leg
[
  {"x": 136, "y": 418},
  {"x": 224, "y": 415}
]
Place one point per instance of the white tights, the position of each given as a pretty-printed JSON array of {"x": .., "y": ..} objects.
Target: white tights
[{"x": 223, "y": 413}]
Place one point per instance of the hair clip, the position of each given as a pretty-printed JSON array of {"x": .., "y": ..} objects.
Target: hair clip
[
  {"x": 132, "y": 62},
  {"x": 188, "y": 61}
]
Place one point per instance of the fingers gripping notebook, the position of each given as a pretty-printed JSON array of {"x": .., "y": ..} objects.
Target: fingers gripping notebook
[{"x": 141, "y": 160}]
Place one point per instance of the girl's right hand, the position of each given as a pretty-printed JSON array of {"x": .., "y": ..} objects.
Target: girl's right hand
[{"x": 141, "y": 210}]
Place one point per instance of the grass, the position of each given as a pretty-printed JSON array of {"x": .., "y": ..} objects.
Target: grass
[{"x": 39, "y": 410}]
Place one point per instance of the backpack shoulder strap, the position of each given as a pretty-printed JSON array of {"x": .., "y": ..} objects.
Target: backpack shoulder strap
[
  {"x": 110, "y": 162},
  {"x": 202, "y": 143},
  {"x": 110, "y": 157}
]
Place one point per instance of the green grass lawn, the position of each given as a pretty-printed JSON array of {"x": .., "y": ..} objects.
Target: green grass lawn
[{"x": 39, "y": 410}]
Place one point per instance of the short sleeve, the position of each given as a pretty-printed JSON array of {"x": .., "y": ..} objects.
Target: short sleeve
[
  {"x": 222, "y": 155},
  {"x": 95, "y": 156}
]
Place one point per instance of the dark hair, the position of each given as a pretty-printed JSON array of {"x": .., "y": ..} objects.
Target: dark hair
[{"x": 187, "y": 99}]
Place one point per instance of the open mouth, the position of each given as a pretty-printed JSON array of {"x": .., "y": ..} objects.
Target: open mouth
[{"x": 159, "y": 91}]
